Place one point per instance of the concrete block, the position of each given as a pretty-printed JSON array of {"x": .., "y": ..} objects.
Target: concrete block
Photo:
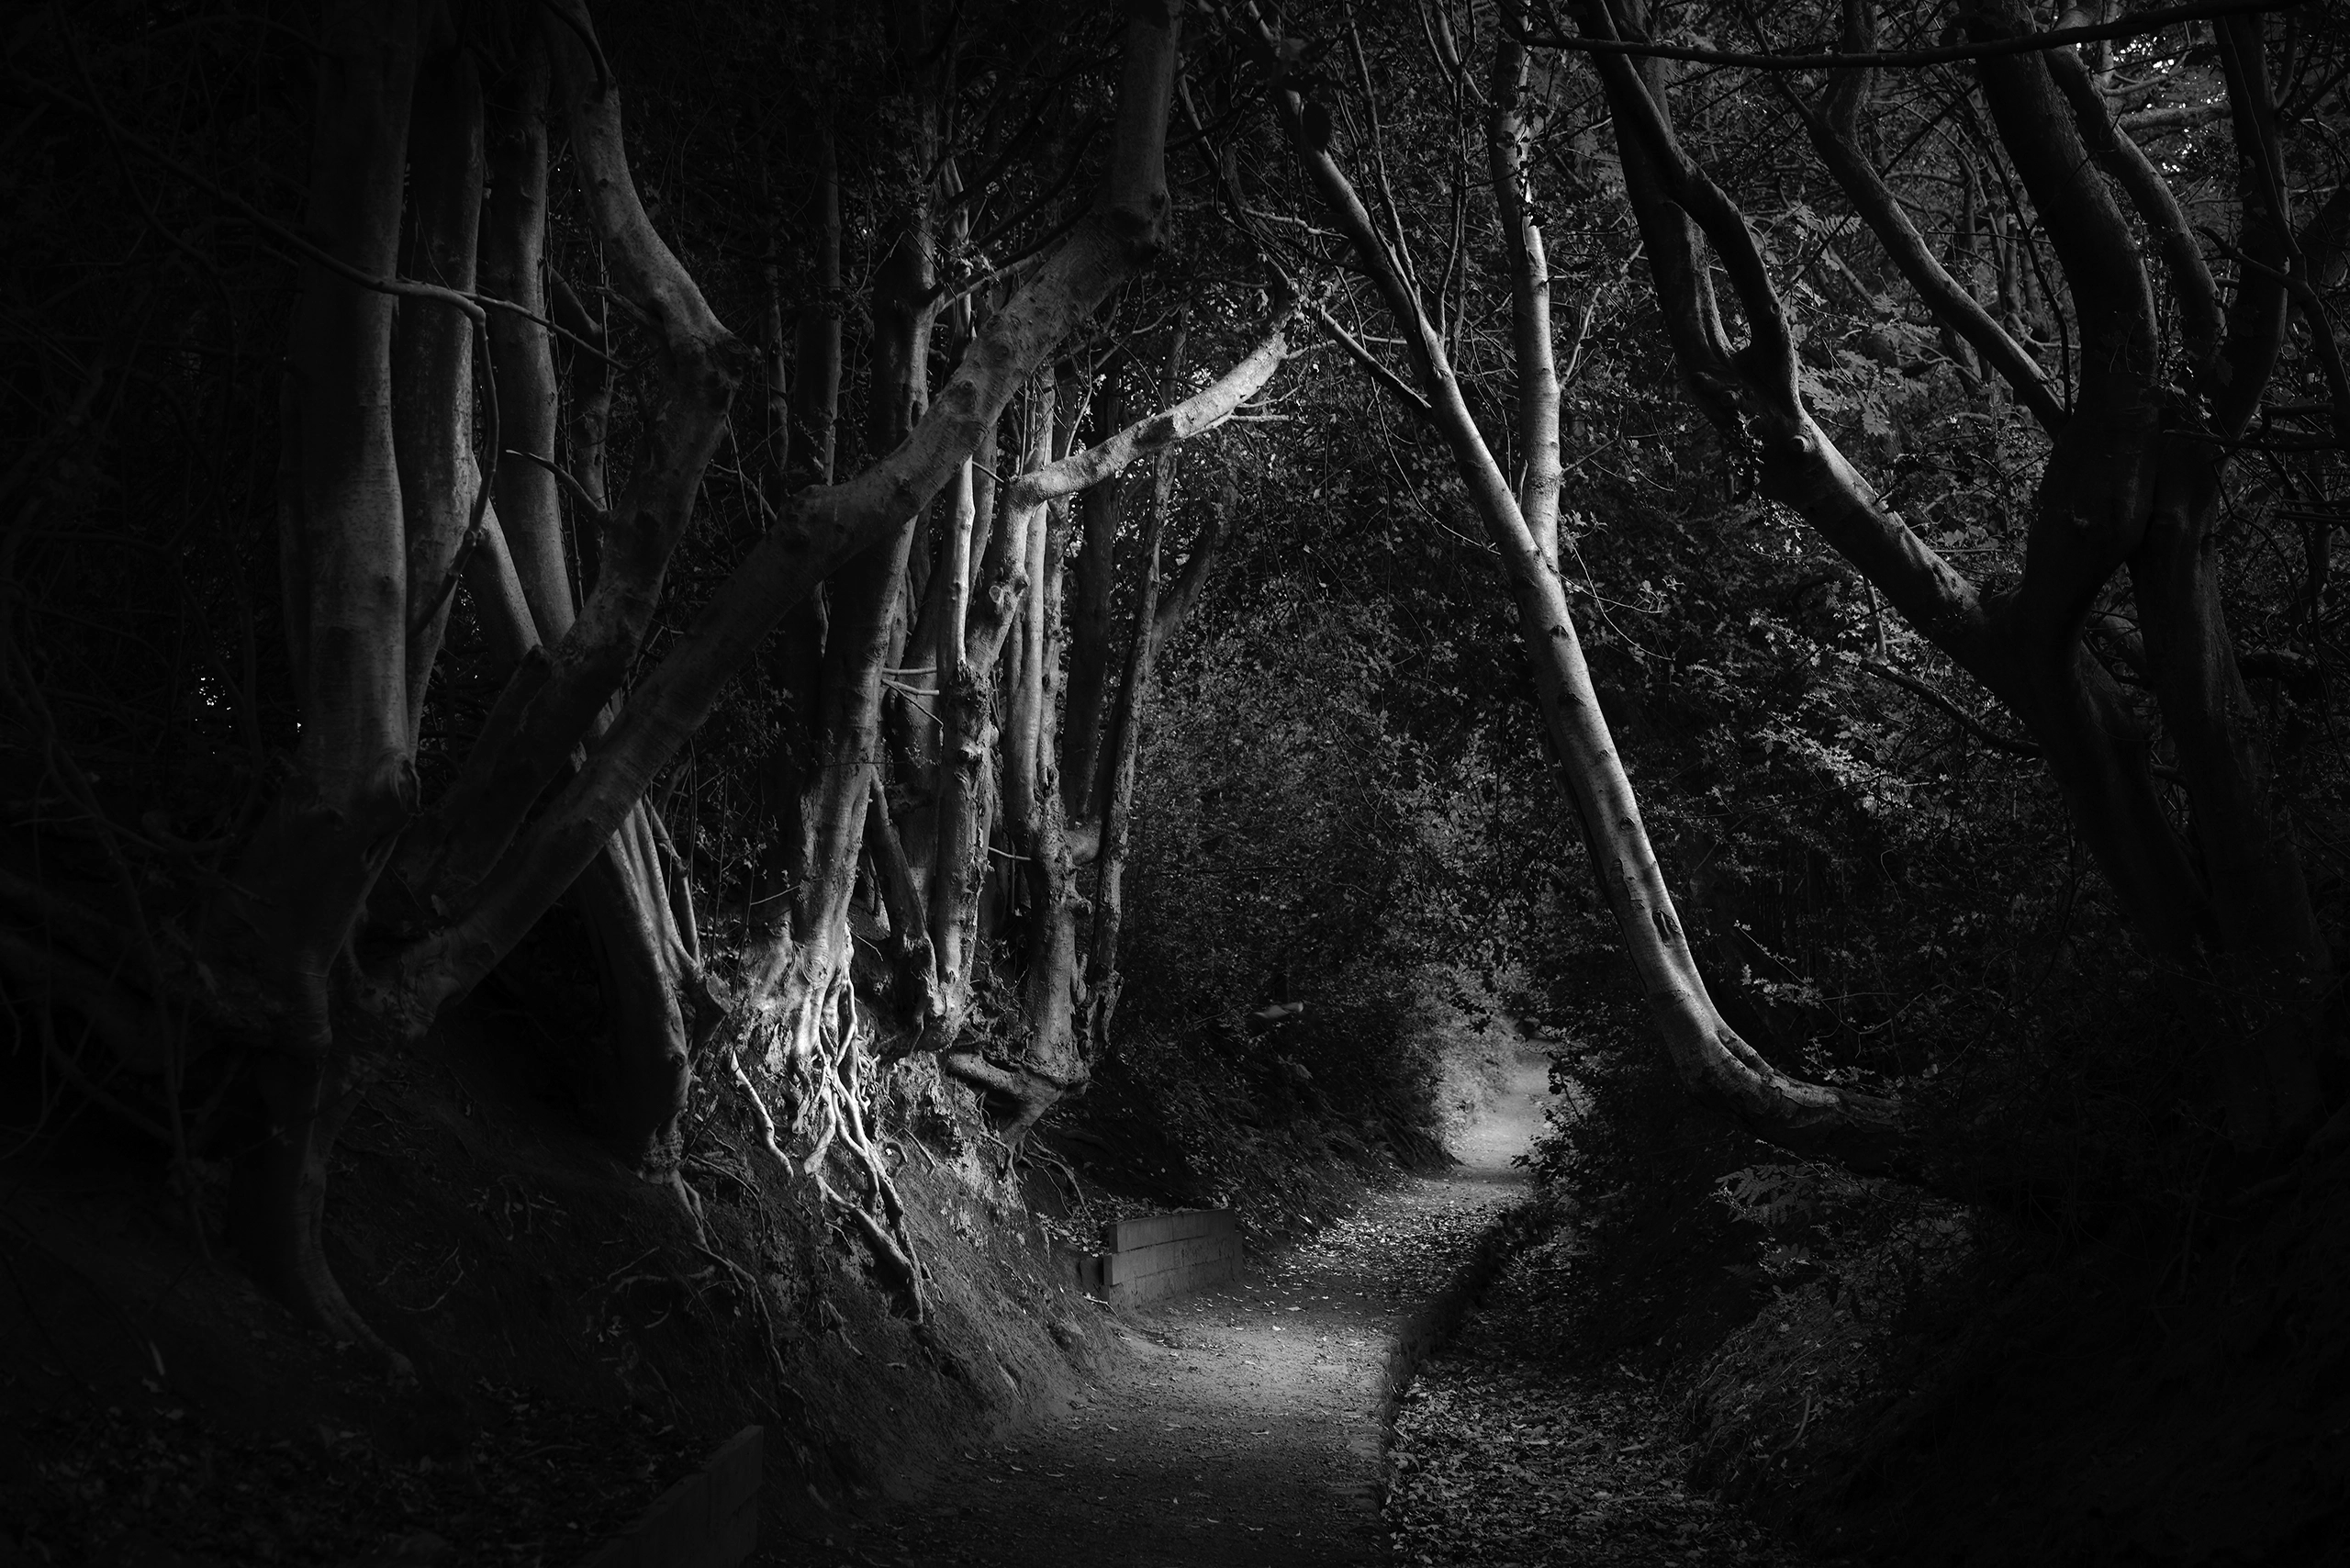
[
  {"x": 734, "y": 1473},
  {"x": 734, "y": 1541},
  {"x": 673, "y": 1531},
  {"x": 711, "y": 1519}
]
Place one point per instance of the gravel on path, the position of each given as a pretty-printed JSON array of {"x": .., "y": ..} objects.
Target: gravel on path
[{"x": 1245, "y": 1427}]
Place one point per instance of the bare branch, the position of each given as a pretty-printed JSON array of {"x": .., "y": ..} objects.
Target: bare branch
[{"x": 1361, "y": 354}]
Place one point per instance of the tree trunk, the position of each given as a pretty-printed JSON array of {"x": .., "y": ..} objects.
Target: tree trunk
[
  {"x": 804, "y": 449},
  {"x": 1092, "y": 624},
  {"x": 1122, "y": 761},
  {"x": 966, "y": 819},
  {"x": 306, "y": 876},
  {"x": 513, "y": 266},
  {"x": 800, "y": 975},
  {"x": 2274, "y": 967},
  {"x": 432, "y": 357},
  {"x": 1049, "y": 988}
]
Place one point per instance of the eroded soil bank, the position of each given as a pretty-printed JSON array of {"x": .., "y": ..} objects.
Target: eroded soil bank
[{"x": 1245, "y": 1427}]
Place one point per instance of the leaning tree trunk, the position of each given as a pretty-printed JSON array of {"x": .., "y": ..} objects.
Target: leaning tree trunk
[{"x": 1714, "y": 1064}]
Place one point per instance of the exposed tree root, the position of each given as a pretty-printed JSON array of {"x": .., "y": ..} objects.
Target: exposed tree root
[
  {"x": 1020, "y": 1089},
  {"x": 828, "y": 1070}
]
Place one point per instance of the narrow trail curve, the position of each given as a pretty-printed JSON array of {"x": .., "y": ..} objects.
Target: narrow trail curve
[{"x": 1245, "y": 1428}]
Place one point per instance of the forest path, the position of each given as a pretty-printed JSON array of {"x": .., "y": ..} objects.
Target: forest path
[{"x": 1245, "y": 1427}]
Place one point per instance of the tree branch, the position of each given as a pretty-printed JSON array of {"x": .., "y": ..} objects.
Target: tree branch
[
  {"x": 1205, "y": 408},
  {"x": 1945, "y": 54},
  {"x": 2011, "y": 744}
]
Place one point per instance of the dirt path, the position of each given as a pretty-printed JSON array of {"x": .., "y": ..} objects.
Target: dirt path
[{"x": 1245, "y": 1428}]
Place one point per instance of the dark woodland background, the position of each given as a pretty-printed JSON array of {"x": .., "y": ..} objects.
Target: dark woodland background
[{"x": 813, "y": 646}]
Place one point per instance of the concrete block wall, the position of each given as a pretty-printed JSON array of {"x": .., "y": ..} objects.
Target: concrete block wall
[
  {"x": 711, "y": 1519},
  {"x": 1163, "y": 1255}
]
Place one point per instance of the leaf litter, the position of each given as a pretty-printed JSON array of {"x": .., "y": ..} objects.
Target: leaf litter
[{"x": 1516, "y": 1446}]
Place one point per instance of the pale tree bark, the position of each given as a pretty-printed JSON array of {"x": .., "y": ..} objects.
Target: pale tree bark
[
  {"x": 941, "y": 579},
  {"x": 800, "y": 1005},
  {"x": 1087, "y": 798},
  {"x": 969, "y": 670},
  {"x": 933, "y": 654},
  {"x": 912, "y": 968},
  {"x": 1714, "y": 1063},
  {"x": 1054, "y": 989},
  {"x": 1026, "y": 715},
  {"x": 1049, "y": 1058},
  {"x": 961, "y": 517},
  {"x": 792, "y": 1000}
]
